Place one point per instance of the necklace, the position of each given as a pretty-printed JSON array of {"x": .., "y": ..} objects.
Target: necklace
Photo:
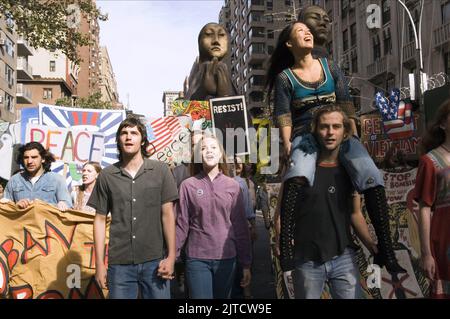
[{"x": 445, "y": 148}]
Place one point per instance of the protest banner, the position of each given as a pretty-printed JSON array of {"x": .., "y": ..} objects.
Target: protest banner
[
  {"x": 229, "y": 116},
  {"x": 197, "y": 110},
  {"x": 105, "y": 122},
  {"x": 68, "y": 145},
  {"x": 378, "y": 143},
  {"x": 47, "y": 254}
]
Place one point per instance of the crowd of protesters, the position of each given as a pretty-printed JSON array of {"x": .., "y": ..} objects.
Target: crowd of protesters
[{"x": 201, "y": 216}]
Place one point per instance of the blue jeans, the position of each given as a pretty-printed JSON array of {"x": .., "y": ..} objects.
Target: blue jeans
[
  {"x": 357, "y": 162},
  {"x": 210, "y": 278},
  {"x": 124, "y": 281},
  {"x": 340, "y": 272}
]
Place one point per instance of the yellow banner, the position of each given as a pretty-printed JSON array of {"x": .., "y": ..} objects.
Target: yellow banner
[{"x": 46, "y": 253}]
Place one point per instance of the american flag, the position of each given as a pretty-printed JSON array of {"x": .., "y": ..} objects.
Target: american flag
[
  {"x": 396, "y": 115},
  {"x": 161, "y": 132}
]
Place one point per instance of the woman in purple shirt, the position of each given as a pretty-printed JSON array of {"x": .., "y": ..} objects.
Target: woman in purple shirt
[{"x": 211, "y": 225}]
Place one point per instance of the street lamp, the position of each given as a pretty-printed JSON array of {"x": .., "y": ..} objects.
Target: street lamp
[{"x": 420, "y": 82}]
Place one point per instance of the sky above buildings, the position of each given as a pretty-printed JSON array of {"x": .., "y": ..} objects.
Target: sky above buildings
[{"x": 152, "y": 46}]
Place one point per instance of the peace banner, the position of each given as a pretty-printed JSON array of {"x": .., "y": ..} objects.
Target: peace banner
[{"x": 47, "y": 254}]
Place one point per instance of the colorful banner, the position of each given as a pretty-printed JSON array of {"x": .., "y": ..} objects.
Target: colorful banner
[
  {"x": 9, "y": 137},
  {"x": 28, "y": 115},
  {"x": 92, "y": 120},
  {"x": 197, "y": 110},
  {"x": 378, "y": 143},
  {"x": 96, "y": 121},
  {"x": 68, "y": 145},
  {"x": 47, "y": 254},
  {"x": 403, "y": 215}
]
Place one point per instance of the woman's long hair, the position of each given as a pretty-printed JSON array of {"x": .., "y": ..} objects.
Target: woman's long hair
[
  {"x": 281, "y": 57},
  {"x": 196, "y": 168},
  {"x": 435, "y": 134},
  {"x": 80, "y": 193}
]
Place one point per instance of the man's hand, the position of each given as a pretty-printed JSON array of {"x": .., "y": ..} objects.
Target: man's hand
[
  {"x": 246, "y": 277},
  {"x": 166, "y": 268},
  {"x": 100, "y": 276},
  {"x": 62, "y": 206},
  {"x": 24, "y": 203}
]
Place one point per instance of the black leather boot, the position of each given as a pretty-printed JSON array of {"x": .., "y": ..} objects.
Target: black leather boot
[
  {"x": 377, "y": 209},
  {"x": 293, "y": 194}
]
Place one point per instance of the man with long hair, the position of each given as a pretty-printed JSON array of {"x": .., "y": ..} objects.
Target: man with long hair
[
  {"x": 318, "y": 231},
  {"x": 36, "y": 181},
  {"x": 139, "y": 194}
]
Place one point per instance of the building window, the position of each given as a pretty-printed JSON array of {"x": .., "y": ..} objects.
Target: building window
[
  {"x": 269, "y": 5},
  {"x": 9, "y": 75},
  {"x": 48, "y": 94},
  {"x": 256, "y": 96},
  {"x": 447, "y": 63},
  {"x": 269, "y": 18},
  {"x": 376, "y": 47},
  {"x": 9, "y": 46},
  {"x": 256, "y": 32},
  {"x": 354, "y": 64},
  {"x": 288, "y": 2},
  {"x": 257, "y": 80},
  {"x": 52, "y": 66},
  {"x": 445, "y": 13},
  {"x": 255, "y": 16},
  {"x": 270, "y": 49},
  {"x": 257, "y": 48},
  {"x": 9, "y": 102},
  {"x": 387, "y": 41},
  {"x": 386, "y": 7},
  {"x": 344, "y": 8},
  {"x": 345, "y": 40},
  {"x": 353, "y": 34},
  {"x": 270, "y": 34}
]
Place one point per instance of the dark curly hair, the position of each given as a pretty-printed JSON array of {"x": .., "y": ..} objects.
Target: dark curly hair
[
  {"x": 133, "y": 121},
  {"x": 435, "y": 135},
  {"x": 45, "y": 154}
]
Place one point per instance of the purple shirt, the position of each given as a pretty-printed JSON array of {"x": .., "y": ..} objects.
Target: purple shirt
[{"x": 211, "y": 218}]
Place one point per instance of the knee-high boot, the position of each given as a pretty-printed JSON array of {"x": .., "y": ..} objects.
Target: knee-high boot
[
  {"x": 377, "y": 209},
  {"x": 293, "y": 195}
]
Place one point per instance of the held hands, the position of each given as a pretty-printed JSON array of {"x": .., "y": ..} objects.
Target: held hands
[
  {"x": 100, "y": 276},
  {"x": 166, "y": 268},
  {"x": 246, "y": 278}
]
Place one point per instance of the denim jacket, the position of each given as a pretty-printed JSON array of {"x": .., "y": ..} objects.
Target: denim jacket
[{"x": 50, "y": 188}]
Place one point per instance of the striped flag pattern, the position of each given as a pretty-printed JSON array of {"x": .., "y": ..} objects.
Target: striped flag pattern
[
  {"x": 396, "y": 114},
  {"x": 161, "y": 132}
]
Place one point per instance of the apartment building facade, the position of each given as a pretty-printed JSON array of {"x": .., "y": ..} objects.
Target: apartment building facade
[
  {"x": 377, "y": 58},
  {"x": 54, "y": 76},
  {"x": 90, "y": 66},
  {"x": 8, "y": 70},
  {"x": 108, "y": 84}
]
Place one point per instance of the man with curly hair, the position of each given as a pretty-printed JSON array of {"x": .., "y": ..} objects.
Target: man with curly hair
[{"x": 36, "y": 181}]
